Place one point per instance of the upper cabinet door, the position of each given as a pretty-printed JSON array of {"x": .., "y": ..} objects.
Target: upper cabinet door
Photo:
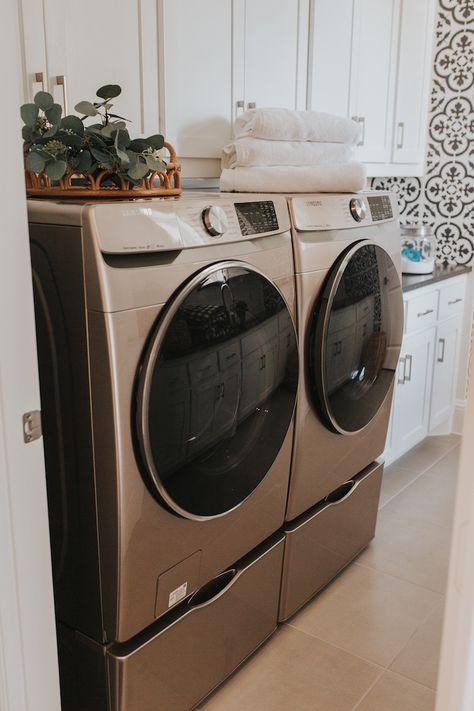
[
  {"x": 414, "y": 68},
  {"x": 196, "y": 81},
  {"x": 92, "y": 43},
  {"x": 34, "y": 46},
  {"x": 330, "y": 57},
  {"x": 374, "y": 55},
  {"x": 276, "y": 50}
]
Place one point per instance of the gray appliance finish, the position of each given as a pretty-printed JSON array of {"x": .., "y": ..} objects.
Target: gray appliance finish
[{"x": 168, "y": 372}]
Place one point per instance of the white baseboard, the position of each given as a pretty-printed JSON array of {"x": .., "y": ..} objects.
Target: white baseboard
[{"x": 458, "y": 416}]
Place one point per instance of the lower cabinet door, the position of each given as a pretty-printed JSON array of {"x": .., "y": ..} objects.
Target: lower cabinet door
[
  {"x": 444, "y": 383},
  {"x": 411, "y": 407}
]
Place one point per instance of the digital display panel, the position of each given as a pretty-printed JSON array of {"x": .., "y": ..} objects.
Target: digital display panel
[
  {"x": 380, "y": 207},
  {"x": 256, "y": 217}
]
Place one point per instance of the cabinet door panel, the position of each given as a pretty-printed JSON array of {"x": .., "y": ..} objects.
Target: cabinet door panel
[
  {"x": 414, "y": 56},
  {"x": 271, "y": 52},
  {"x": 92, "y": 44},
  {"x": 373, "y": 73},
  {"x": 412, "y": 392},
  {"x": 34, "y": 48},
  {"x": 330, "y": 57},
  {"x": 197, "y": 41},
  {"x": 444, "y": 386}
]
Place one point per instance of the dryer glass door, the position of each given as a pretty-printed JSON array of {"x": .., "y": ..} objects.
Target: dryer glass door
[
  {"x": 355, "y": 337},
  {"x": 217, "y": 390}
]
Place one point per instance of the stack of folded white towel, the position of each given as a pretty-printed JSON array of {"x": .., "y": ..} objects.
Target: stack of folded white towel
[{"x": 279, "y": 150}]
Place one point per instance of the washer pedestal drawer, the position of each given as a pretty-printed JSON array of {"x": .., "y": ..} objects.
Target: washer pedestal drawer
[
  {"x": 180, "y": 659},
  {"x": 322, "y": 541}
]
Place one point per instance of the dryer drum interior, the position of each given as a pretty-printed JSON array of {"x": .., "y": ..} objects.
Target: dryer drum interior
[
  {"x": 354, "y": 337},
  {"x": 216, "y": 390}
]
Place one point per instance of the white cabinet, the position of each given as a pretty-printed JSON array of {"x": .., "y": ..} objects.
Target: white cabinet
[
  {"x": 425, "y": 383},
  {"x": 411, "y": 407},
  {"x": 371, "y": 60},
  {"x": 220, "y": 57},
  {"x": 81, "y": 46}
]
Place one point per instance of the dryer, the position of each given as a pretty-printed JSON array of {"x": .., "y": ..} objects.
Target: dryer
[
  {"x": 350, "y": 326},
  {"x": 168, "y": 367}
]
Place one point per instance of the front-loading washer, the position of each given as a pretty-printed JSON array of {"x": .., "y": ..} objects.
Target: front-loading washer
[
  {"x": 350, "y": 325},
  {"x": 168, "y": 368}
]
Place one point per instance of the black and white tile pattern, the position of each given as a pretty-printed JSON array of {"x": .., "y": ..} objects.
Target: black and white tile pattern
[{"x": 444, "y": 198}]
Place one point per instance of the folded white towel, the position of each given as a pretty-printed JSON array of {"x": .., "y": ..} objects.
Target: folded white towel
[
  {"x": 287, "y": 125},
  {"x": 257, "y": 151},
  {"x": 339, "y": 177}
]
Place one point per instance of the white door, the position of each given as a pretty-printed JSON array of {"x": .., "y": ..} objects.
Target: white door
[
  {"x": 414, "y": 74},
  {"x": 276, "y": 40},
  {"x": 330, "y": 57},
  {"x": 444, "y": 373},
  {"x": 91, "y": 43},
  {"x": 196, "y": 83},
  {"x": 374, "y": 54},
  {"x": 28, "y": 656},
  {"x": 412, "y": 392}
]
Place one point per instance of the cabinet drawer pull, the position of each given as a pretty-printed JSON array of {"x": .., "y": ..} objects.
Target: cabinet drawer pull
[
  {"x": 456, "y": 301},
  {"x": 38, "y": 79},
  {"x": 61, "y": 81},
  {"x": 239, "y": 107},
  {"x": 401, "y": 381},
  {"x": 408, "y": 359},
  {"x": 252, "y": 105},
  {"x": 442, "y": 342},
  {"x": 425, "y": 313},
  {"x": 360, "y": 119},
  {"x": 401, "y": 134}
]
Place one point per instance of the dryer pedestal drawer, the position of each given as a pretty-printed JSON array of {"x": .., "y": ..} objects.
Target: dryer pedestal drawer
[
  {"x": 180, "y": 659},
  {"x": 326, "y": 538}
]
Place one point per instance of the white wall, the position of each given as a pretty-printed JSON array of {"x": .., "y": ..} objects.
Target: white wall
[{"x": 28, "y": 658}]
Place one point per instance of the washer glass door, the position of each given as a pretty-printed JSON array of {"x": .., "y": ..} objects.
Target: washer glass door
[
  {"x": 355, "y": 337},
  {"x": 216, "y": 390}
]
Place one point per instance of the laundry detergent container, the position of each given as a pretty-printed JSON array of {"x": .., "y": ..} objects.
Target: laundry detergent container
[{"x": 322, "y": 541}]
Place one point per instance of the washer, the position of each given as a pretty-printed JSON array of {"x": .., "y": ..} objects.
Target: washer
[
  {"x": 168, "y": 364},
  {"x": 350, "y": 316}
]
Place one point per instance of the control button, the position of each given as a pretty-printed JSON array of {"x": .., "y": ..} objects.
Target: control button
[
  {"x": 215, "y": 220},
  {"x": 357, "y": 209}
]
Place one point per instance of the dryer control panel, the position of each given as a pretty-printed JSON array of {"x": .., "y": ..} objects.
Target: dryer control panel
[{"x": 315, "y": 213}]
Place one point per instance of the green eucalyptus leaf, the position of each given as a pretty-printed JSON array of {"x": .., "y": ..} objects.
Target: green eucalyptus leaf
[
  {"x": 55, "y": 169},
  {"x": 138, "y": 145},
  {"x": 122, "y": 138},
  {"x": 154, "y": 163},
  {"x": 43, "y": 100},
  {"x": 123, "y": 158},
  {"x": 51, "y": 131},
  {"x": 120, "y": 117},
  {"x": 157, "y": 141},
  {"x": 102, "y": 157},
  {"x": 84, "y": 162},
  {"x": 109, "y": 91},
  {"x": 108, "y": 130},
  {"x": 73, "y": 123},
  {"x": 29, "y": 114},
  {"x": 69, "y": 139},
  {"x": 53, "y": 114},
  {"x": 86, "y": 108},
  {"x": 139, "y": 170},
  {"x": 35, "y": 162},
  {"x": 27, "y": 133}
]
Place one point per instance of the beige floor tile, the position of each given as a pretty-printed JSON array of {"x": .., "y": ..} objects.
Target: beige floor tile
[
  {"x": 296, "y": 671},
  {"x": 367, "y": 613},
  {"x": 419, "y": 659},
  {"x": 395, "y": 693},
  {"x": 395, "y": 479},
  {"x": 415, "y": 551},
  {"x": 427, "y": 452},
  {"x": 431, "y": 497}
]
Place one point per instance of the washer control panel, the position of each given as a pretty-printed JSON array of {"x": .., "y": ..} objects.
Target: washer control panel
[{"x": 256, "y": 217}]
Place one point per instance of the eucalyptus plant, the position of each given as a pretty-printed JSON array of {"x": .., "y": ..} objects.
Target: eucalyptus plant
[{"x": 58, "y": 145}]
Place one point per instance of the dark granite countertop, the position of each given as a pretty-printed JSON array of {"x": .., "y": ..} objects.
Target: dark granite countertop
[{"x": 415, "y": 281}]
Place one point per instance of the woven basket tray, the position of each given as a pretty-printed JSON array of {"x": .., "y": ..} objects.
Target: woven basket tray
[{"x": 157, "y": 184}]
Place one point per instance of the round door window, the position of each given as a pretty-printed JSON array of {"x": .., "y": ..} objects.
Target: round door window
[
  {"x": 355, "y": 337},
  {"x": 217, "y": 390}
]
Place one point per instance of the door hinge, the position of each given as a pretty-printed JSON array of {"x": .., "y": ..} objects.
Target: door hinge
[{"x": 32, "y": 426}]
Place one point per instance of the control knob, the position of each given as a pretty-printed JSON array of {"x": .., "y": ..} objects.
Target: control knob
[
  {"x": 215, "y": 220},
  {"x": 357, "y": 208}
]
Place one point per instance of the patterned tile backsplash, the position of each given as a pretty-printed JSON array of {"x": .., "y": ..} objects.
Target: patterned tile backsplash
[{"x": 444, "y": 197}]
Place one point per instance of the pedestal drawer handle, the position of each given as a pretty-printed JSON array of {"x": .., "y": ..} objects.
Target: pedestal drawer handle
[{"x": 425, "y": 313}]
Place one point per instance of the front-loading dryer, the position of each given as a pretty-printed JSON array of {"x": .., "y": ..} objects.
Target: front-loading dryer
[
  {"x": 168, "y": 365},
  {"x": 350, "y": 323}
]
